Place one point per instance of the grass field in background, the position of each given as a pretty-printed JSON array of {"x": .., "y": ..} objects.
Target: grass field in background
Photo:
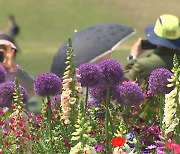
[{"x": 46, "y": 24}]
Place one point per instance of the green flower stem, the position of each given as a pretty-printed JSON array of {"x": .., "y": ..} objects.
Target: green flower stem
[
  {"x": 50, "y": 124},
  {"x": 111, "y": 123},
  {"x": 161, "y": 107},
  {"x": 86, "y": 99},
  {"x": 73, "y": 115},
  {"x": 107, "y": 122}
]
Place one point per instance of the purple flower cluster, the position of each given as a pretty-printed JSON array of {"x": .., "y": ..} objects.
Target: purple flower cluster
[
  {"x": 158, "y": 81},
  {"x": 98, "y": 93},
  {"x": 130, "y": 94},
  {"x": 112, "y": 71},
  {"x": 6, "y": 94},
  {"x": 2, "y": 74},
  {"x": 152, "y": 140},
  {"x": 90, "y": 75},
  {"x": 92, "y": 103},
  {"x": 47, "y": 84}
]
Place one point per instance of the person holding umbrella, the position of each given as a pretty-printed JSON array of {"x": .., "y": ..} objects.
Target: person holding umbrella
[{"x": 165, "y": 37}]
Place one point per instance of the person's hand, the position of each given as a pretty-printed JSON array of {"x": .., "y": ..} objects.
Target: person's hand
[
  {"x": 9, "y": 57},
  {"x": 136, "y": 49}
]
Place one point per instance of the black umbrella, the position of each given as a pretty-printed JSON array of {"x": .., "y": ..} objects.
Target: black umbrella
[{"x": 91, "y": 43}]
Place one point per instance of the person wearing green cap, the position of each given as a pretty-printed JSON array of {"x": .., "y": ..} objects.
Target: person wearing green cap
[{"x": 165, "y": 35}]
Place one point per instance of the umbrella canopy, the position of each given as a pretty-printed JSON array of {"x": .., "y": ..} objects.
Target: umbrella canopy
[{"x": 91, "y": 43}]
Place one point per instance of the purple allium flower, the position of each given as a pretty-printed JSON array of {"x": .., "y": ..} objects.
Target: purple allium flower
[
  {"x": 47, "y": 84},
  {"x": 92, "y": 103},
  {"x": 98, "y": 93},
  {"x": 130, "y": 94},
  {"x": 112, "y": 72},
  {"x": 158, "y": 81},
  {"x": 90, "y": 75},
  {"x": 2, "y": 74},
  {"x": 6, "y": 94}
]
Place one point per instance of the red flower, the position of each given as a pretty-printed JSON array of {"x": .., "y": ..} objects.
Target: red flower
[
  {"x": 118, "y": 141},
  {"x": 66, "y": 143},
  {"x": 6, "y": 143}
]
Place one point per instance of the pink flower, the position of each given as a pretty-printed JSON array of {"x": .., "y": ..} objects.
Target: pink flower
[
  {"x": 1, "y": 112},
  {"x": 175, "y": 147},
  {"x": 39, "y": 118}
]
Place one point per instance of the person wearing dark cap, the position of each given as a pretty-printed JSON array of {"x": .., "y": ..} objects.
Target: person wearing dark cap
[
  {"x": 165, "y": 36},
  {"x": 8, "y": 51}
]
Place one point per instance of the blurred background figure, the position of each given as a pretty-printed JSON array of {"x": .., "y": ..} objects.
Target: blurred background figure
[
  {"x": 8, "y": 52},
  {"x": 13, "y": 28},
  {"x": 163, "y": 38}
]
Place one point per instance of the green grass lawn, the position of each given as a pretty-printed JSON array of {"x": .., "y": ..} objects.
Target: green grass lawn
[{"x": 46, "y": 24}]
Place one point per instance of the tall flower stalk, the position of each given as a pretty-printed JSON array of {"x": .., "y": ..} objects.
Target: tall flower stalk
[
  {"x": 172, "y": 105},
  {"x": 70, "y": 88},
  {"x": 19, "y": 126},
  {"x": 48, "y": 84},
  {"x": 107, "y": 122},
  {"x": 81, "y": 135},
  {"x": 157, "y": 84},
  {"x": 112, "y": 76},
  {"x": 89, "y": 75}
]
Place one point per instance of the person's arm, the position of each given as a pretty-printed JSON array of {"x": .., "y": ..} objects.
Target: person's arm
[
  {"x": 136, "y": 49},
  {"x": 133, "y": 69}
]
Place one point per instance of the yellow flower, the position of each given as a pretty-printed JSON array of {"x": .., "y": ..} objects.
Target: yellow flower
[
  {"x": 67, "y": 121},
  {"x": 75, "y": 138},
  {"x": 89, "y": 150},
  {"x": 76, "y": 148},
  {"x": 72, "y": 100},
  {"x": 170, "y": 120},
  {"x": 66, "y": 85}
]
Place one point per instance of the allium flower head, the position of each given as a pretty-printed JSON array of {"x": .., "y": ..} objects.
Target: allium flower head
[
  {"x": 92, "y": 103},
  {"x": 2, "y": 74},
  {"x": 130, "y": 94},
  {"x": 112, "y": 72},
  {"x": 90, "y": 75},
  {"x": 6, "y": 94},
  {"x": 47, "y": 84},
  {"x": 158, "y": 81},
  {"x": 98, "y": 93}
]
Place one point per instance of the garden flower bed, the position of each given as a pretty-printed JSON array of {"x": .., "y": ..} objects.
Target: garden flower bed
[{"x": 93, "y": 110}]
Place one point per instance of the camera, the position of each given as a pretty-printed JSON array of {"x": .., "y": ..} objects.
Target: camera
[
  {"x": 145, "y": 44},
  {"x": 1, "y": 57}
]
